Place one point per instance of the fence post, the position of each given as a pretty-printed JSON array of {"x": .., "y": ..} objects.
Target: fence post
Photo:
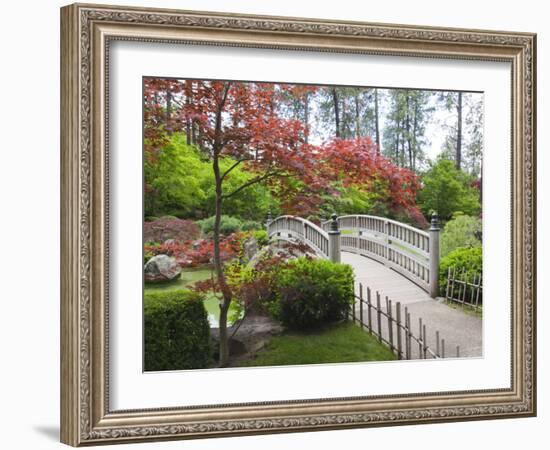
[
  {"x": 379, "y": 316},
  {"x": 398, "y": 324},
  {"x": 434, "y": 256},
  {"x": 387, "y": 241},
  {"x": 334, "y": 240},
  {"x": 361, "y": 305}
]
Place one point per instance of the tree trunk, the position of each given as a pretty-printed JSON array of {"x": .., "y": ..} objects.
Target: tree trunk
[
  {"x": 357, "y": 117},
  {"x": 415, "y": 129},
  {"x": 403, "y": 151},
  {"x": 169, "y": 110},
  {"x": 193, "y": 131},
  {"x": 408, "y": 129},
  {"x": 458, "y": 154},
  {"x": 343, "y": 122},
  {"x": 218, "y": 265},
  {"x": 397, "y": 141},
  {"x": 336, "y": 111},
  {"x": 376, "y": 121},
  {"x": 188, "y": 123},
  {"x": 306, "y": 116}
]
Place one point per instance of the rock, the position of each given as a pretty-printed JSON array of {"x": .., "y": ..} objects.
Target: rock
[
  {"x": 198, "y": 243},
  {"x": 251, "y": 336},
  {"x": 284, "y": 250},
  {"x": 250, "y": 248},
  {"x": 169, "y": 242},
  {"x": 161, "y": 268}
]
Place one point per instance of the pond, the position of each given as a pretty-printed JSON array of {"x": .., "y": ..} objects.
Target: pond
[{"x": 184, "y": 281}]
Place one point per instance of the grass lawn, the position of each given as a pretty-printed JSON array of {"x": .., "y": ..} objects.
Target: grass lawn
[{"x": 344, "y": 342}]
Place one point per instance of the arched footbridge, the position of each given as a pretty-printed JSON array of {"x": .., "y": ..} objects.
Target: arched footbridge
[
  {"x": 401, "y": 248},
  {"x": 393, "y": 258}
]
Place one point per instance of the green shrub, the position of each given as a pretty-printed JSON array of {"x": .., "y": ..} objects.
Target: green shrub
[
  {"x": 460, "y": 232},
  {"x": 261, "y": 237},
  {"x": 177, "y": 331},
  {"x": 467, "y": 259},
  {"x": 249, "y": 225},
  {"x": 313, "y": 292},
  {"x": 228, "y": 225}
]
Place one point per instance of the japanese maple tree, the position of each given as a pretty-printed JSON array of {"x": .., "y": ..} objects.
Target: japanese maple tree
[
  {"x": 356, "y": 162},
  {"x": 227, "y": 119}
]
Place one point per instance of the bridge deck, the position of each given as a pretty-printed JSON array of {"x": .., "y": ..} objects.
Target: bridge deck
[{"x": 455, "y": 326}]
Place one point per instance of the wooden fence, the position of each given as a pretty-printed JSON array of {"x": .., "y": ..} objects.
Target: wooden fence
[
  {"x": 392, "y": 326},
  {"x": 464, "y": 289}
]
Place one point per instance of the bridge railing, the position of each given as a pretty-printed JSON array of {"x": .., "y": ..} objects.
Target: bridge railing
[
  {"x": 412, "y": 252},
  {"x": 291, "y": 227}
]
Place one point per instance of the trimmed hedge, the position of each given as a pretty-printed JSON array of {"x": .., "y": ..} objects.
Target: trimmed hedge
[
  {"x": 177, "y": 331},
  {"x": 469, "y": 259},
  {"x": 313, "y": 292}
]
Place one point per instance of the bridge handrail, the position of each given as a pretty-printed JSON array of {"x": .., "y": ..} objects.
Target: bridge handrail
[
  {"x": 305, "y": 221},
  {"x": 317, "y": 237},
  {"x": 394, "y": 230},
  {"x": 395, "y": 222}
]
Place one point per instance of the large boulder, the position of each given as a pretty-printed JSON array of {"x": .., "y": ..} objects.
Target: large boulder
[
  {"x": 250, "y": 248},
  {"x": 161, "y": 268},
  {"x": 283, "y": 250}
]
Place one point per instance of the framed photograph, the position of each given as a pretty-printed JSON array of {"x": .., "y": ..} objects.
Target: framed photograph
[{"x": 279, "y": 224}]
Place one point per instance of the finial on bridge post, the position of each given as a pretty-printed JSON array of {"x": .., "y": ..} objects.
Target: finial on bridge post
[
  {"x": 334, "y": 240},
  {"x": 334, "y": 222},
  {"x": 434, "y": 223},
  {"x": 434, "y": 255}
]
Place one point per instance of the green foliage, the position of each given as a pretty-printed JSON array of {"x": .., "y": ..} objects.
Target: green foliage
[
  {"x": 173, "y": 179},
  {"x": 313, "y": 292},
  {"x": 176, "y": 331},
  {"x": 228, "y": 225},
  {"x": 251, "y": 203},
  {"x": 349, "y": 200},
  {"x": 180, "y": 182},
  {"x": 261, "y": 237},
  {"x": 467, "y": 259},
  {"x": 250, "y": 225},
  {"x": 448, "y": 190},
  {"x": 460, "y": 231}
]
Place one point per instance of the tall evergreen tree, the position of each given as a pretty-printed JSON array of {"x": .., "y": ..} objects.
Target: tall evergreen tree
[{"x": 404, "y": 134}]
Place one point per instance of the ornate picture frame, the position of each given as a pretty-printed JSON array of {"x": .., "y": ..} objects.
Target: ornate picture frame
[{"x": 86, "y": 34}]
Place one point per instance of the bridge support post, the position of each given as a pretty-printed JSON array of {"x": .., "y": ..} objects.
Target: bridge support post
[
  {"x": 334, "y": 240},
  {"x": 434, "y": 255}
]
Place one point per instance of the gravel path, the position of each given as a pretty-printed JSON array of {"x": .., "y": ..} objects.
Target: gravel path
[{"x": 457, "y": 327}]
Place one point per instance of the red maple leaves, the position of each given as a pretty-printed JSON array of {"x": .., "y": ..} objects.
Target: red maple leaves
[{"x": 243, "y": 121}]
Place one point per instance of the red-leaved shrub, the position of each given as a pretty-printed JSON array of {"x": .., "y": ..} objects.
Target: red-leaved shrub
[
  {"x": 165, "y": 228},
  {"x": 198, "y": 252}
]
